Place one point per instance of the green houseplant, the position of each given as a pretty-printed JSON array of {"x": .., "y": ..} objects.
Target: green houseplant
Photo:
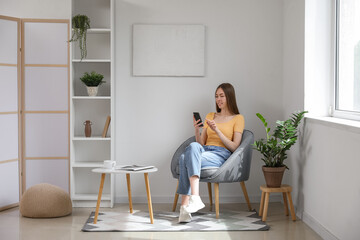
[
  {"x": 80, "y": 25},
  {"x": 92, "y": 82},
  {"x": 275, "y": 146}
]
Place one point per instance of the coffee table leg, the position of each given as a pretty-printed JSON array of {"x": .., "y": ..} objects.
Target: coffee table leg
[
  {"x": 129, "y": 192},
  {"x": 99, "y": 197},
  {"x": 146, "y": 176}
]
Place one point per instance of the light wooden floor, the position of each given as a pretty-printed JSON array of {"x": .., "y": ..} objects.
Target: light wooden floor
[{"x": 13, "y": 226}]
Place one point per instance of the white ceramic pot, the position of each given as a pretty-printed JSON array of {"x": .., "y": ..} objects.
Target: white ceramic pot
[{"x": 92, "y": 91}]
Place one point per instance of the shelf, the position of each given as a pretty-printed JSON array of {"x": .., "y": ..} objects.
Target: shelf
[
  {"x": 88, "y": 153},
  {"x": 97, "y": 138},
  {"x": 90, "y": 197},
  {"x": 91, "y": 61},
  {"x": 88, "y": 164},
  {"x": 98, "y": 30},
  {"x": 91, "y": 98}
]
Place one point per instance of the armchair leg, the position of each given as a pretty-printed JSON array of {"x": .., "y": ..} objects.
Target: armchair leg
[
  {"x": 216, "y": 190},
  {"x": 210, "y": 195},
  {"x": 176, "y": 197},
  {"x": 246, "y": 195}
]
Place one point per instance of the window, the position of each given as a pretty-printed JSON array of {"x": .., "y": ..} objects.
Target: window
[{"x": 347, "y": 87}]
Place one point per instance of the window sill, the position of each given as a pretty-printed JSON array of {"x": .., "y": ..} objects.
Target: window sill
[{"x": 339, "y": 123}]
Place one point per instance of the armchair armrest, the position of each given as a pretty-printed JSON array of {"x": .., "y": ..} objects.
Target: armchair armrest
[
  {"x": 237, "y": 167},
  {"x": 177, "y": 154}
]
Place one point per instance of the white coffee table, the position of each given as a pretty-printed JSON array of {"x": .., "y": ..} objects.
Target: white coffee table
[{"x": 104, "y": 171}]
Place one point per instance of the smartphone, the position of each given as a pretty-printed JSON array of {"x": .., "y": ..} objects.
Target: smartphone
[{"x": 197, "y": 117}]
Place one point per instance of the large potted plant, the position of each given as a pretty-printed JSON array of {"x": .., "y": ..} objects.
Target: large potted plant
[
  {"x": 80, "y": 25},
  {"x": 92, "y": 82},
  {"x": 275, "y": 146}
]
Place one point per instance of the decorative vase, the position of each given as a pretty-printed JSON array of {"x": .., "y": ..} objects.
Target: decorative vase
[
  {"x": 273, "y": 176},
  {"x": 92, "y": 91},
  {"x": 87, "y": 124}
]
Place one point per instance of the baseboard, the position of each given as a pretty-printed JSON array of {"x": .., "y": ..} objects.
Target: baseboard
[
  {"x": 9, "y": 206},
  {"x": 317, "y": 227},
  {"x": 89, "y": 204},
  {"x": 170, "y": 199}
]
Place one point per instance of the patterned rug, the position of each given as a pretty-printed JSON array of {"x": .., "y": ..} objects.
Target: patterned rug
[{"x": 168, "y": 222}]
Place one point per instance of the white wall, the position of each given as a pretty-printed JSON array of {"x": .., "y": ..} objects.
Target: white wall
[
  {"x": 293, "y": 56},
  {"x": 154, "y": 114},
  {"x": 330, "y": 180},
  {"x": 324, "y": 163},
  {"x": 293, "y": 77}
]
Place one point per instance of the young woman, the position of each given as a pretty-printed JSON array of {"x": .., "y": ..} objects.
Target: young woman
[{"x": 221, "y": 135}]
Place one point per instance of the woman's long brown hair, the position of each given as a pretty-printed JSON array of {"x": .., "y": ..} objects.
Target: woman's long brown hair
[{"x": 230, "y": 98}]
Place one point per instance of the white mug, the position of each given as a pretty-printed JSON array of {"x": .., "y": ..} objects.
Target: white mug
[{"x": 109, "y": 164}]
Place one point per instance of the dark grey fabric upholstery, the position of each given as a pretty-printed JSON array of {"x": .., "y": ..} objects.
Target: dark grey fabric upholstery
[{"x": 235, "y": 169}]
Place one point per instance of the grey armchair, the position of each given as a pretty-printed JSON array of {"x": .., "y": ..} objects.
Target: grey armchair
[{"x": 235, "y": 169}]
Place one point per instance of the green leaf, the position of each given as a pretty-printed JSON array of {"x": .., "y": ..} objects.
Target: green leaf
[
  {"x": 275, "y": 146},
  {"x": 80, "y": 25},
  {"x": 262, "y": 119},
  {"x": 93, "y": 79}
]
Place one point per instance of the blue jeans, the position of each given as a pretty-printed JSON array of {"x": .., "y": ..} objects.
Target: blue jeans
[{"x": 195, "y": 158}]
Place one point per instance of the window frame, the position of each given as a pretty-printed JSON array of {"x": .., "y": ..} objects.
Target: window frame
[{"x": 333, "y": 111}]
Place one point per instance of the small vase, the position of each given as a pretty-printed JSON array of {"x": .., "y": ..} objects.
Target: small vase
[
  {"x": 92, "y": 91},
  {"x": 87, "y": 124}
]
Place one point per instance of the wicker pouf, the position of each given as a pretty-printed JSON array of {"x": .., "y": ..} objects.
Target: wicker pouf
[{"x": 45, "y": 201}]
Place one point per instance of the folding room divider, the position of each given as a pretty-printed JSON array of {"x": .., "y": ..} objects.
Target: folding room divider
[
  {"x": 10, "y": 143},
  {"x": 36, "y": 120},
  {"x": 45, "y": 102}
]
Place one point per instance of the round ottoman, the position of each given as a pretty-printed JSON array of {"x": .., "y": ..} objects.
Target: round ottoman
[{"x": 45, "y": 201}]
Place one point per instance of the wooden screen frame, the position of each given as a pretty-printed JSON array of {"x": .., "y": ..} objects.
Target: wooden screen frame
[
  {"x": 18, "y": 112},
  {"x": 23, "y": 65}
]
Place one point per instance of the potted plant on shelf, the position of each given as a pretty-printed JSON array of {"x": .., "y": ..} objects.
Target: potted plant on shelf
[
  {"x": 275, "y": 146},
  {"x": 92, "y": 82},
  {"x": 80, "y": 25}
]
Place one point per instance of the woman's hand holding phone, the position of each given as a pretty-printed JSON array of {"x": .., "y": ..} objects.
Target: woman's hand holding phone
[
  {"x": 197, "y": 120},
  {"x": 197, "y": 123}
]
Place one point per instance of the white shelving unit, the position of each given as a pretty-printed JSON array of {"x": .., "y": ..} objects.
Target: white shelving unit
[
  {"x": 92, "y": 60},
  {"x": 99, "y": 30},
  {"x": 90, "y": 98},
  {"x": 89, "y": 153}
]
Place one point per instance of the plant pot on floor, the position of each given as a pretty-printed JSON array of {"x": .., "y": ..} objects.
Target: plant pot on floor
[{"x": 273, "y": 176}]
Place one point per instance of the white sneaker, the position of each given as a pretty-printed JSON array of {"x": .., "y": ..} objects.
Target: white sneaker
[
  {"x": 195, "y": 204},
  {"x": 184, "y": 216}
]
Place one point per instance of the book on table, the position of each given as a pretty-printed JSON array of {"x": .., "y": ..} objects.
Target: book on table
[{"x": 133, "y": 167}]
